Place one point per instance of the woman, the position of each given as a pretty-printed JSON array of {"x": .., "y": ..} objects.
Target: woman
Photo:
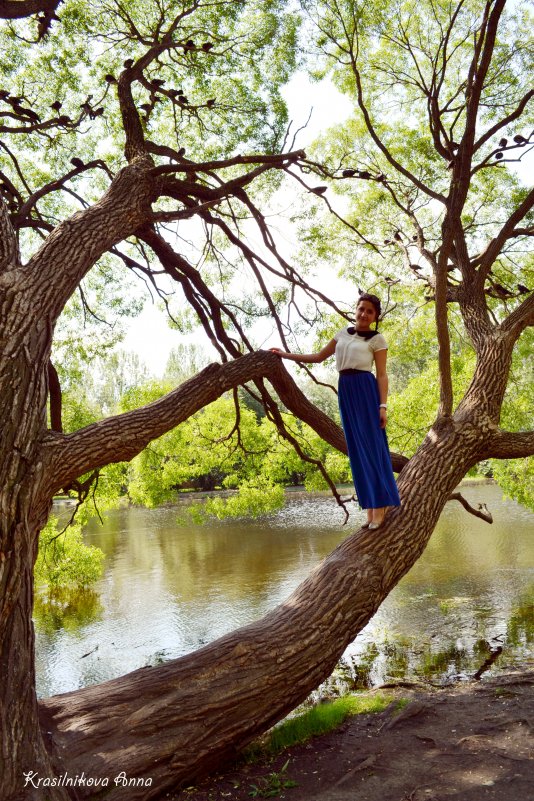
[{"x": 363, "y": 406}]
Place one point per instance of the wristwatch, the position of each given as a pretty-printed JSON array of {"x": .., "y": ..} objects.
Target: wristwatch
[{"x": 383, "y": 406}]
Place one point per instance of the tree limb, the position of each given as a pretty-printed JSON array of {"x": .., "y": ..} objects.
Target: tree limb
[
  {"x": 135, "y": 144},
  {"x": 382, "y": 147},
  {"x": 17, "y": 9},
  {"x": 180, "y": 269},
  {"x": 122, "y": 437},
  {"x": 520, "y": 318},
  {"x": 442, "y": 324},
  {"x": 55, "y": 398},
  {"x": 483, "y": 513},
  {"x": 514, "y": 115},
  {"x": 275, "y": 160},
  {"x": 480, "y": 63},
  {"x": 486, "y": 259},
  {"x": 510, "y": 445},
  {"x": 58, "y": 184}
]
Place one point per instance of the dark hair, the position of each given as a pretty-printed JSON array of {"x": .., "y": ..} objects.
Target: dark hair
[{"x": 375, "y": 302}]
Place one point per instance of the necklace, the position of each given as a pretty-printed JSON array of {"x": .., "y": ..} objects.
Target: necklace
[{"x": 364, "y": 334}]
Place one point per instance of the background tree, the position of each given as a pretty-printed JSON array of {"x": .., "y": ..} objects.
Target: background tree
[{"x": 187, "y": 88}]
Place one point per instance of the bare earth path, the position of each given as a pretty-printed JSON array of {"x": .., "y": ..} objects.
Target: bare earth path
[{"x": 470, "y": 742}]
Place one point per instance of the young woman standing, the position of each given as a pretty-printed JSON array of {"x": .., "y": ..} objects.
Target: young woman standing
[{"x": 363, "y": 406}]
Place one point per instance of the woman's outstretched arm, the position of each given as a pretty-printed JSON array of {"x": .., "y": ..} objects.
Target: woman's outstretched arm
[{"x": 308, "y": 358}]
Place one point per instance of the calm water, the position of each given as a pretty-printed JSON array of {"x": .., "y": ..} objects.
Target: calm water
[{"x": 169, "y": 588}]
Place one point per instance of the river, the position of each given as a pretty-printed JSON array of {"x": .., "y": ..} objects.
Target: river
[{"x": 171, "y": 587}]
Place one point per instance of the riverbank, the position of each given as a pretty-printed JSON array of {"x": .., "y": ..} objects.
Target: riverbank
[{"x": 468, "y": 742}]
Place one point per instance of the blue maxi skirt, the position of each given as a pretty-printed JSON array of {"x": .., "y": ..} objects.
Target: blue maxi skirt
[{"x": 367, "y": 443}]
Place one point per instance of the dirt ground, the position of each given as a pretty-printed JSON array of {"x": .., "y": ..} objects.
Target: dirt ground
[{"x": 470, "y": 742}]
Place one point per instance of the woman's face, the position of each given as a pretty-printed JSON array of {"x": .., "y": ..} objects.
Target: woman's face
[{"x": 365, "y": 314}]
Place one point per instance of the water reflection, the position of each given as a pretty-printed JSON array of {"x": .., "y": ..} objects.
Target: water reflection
[{"x": 169, "y": 588}]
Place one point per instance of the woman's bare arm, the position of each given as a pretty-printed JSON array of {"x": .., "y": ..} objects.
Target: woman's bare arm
[
  {"x": 382, "y": 381},
  {"x": 308, "y": 358}
]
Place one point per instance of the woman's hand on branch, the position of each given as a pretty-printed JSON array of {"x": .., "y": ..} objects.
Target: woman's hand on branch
[{"x": 308, "y": 358}]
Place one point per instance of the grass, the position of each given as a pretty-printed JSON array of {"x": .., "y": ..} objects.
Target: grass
[
  {"x": 320, "y": 719},
  {"x": 271, "y": 785}
]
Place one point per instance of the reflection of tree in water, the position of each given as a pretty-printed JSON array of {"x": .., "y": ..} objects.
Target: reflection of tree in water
[
  {"x": 405, "y": 659},
  {"x": 520, "y": 628},
  {"x": 69, "y": 609}
]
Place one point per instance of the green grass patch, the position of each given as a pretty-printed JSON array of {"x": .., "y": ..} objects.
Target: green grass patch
[
  {"x": 401, "y": 704},
  {"x": 318, "y": 720}
]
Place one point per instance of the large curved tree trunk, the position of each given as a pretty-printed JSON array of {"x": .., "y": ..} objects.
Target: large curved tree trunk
[
  {"x": 172, "y": 724},
  {"x": 23, "y": 512}
]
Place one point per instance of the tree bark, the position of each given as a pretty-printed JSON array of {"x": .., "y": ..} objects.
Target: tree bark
[{"x": 24, "y": 510}]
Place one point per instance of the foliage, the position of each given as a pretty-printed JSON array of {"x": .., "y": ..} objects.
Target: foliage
[
  {"x": 516, "y": 477},
  {"x": 254, "y": 52},
  {"x": 255, "y": 497},
  {"x": 64, "y": 561},
  {"x": 93, "y": 324},
  {"x": 208, "y": 451},
  {"x": 414, "y": 409}
]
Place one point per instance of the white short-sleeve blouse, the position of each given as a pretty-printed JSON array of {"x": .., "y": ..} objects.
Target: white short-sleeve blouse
[{"x": 356, "y": 352}]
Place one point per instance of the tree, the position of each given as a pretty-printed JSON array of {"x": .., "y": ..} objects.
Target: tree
[{"x": 59, "y": 222}]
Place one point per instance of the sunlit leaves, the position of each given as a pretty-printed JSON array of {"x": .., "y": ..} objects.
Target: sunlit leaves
[
  {"x": 64, "y": 561},
  {"x": 227, "y": 59}
]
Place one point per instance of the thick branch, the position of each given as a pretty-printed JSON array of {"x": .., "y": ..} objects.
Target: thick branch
[
  {"x": 135, "y": 144},
  {"x": 17, "y": 9},
  {"x": 520, "y": 318},
  {"x": 176, "y": 722},
  {"x": 487, "y": 258},
  {"x": 442, "y": 325},
  {"x": 510, "y": 445},
  {"x": 75, "y": 245},
  {"x": 122, "y": 437}
]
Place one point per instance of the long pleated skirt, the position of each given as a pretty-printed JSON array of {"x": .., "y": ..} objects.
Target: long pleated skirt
[{"x": 367, "y": 443}]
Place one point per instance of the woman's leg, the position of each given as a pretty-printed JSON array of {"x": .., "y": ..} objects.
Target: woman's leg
[
  {"x": 377, "y": 515},
  {"x": 369, "y": 518}
]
